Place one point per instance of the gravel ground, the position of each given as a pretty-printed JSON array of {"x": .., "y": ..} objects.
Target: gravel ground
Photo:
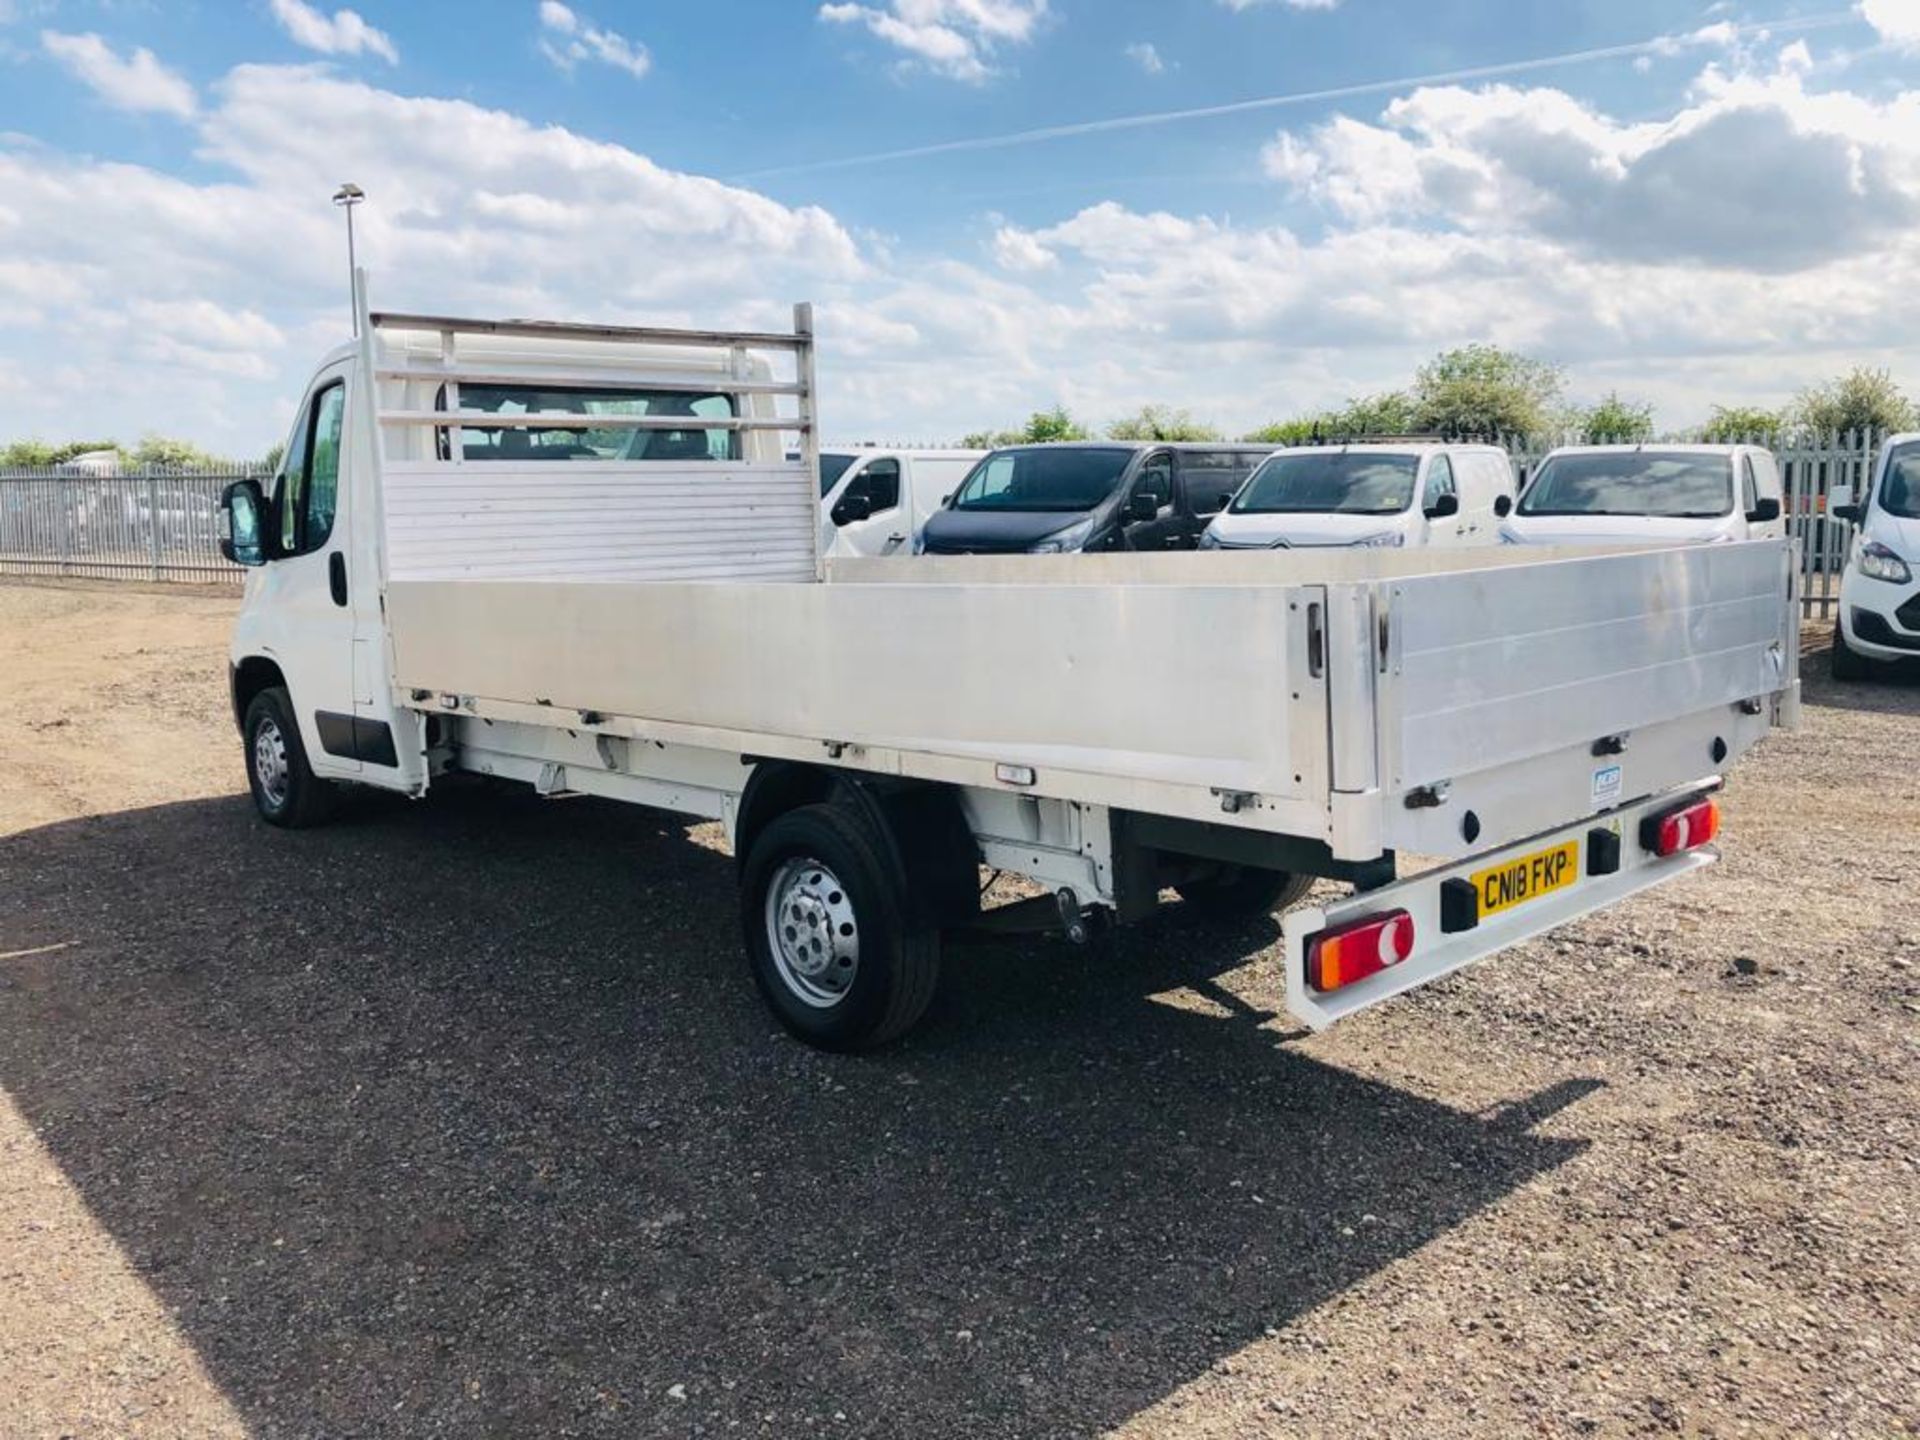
[{"x": 461, "y": 1119}]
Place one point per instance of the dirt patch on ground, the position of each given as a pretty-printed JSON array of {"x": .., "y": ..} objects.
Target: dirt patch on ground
[{"x": 460, "y": 1118}]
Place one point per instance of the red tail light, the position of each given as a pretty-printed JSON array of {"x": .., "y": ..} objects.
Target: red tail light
[
  {"x": 1687, "y": 828},
  {"x": 1353, "y": 952}
]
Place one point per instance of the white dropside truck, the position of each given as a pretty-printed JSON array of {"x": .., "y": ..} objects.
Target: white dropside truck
[{"x": 578, "y": 557}]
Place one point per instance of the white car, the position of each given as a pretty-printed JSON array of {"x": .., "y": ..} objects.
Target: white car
[
  {"x": 1377, "y": 494},
  {"x": 1880, "y": 592},
  {"x": 1649, "y": 495},
  {"x": 876, "y": 501}
]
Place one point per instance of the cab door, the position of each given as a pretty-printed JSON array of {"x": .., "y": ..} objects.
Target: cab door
[
  {"x": 1155, "y": 481},
  {"x": 307, "y": 624},
  {"x": 1440, "y": 485},
  {"x": 887, "y": 524}
]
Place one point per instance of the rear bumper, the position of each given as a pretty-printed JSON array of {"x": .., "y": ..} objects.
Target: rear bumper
[{"x": 1437, "y": 953}]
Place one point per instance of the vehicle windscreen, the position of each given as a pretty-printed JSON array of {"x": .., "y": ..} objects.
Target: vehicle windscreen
[
  {"x": 1633, "y": 482},
  {"x": 591, "y": 442},
  {"x": 1043, "y": 478},
  {"x": 832, "y": 467},
  {"x": 1900, "y": 490},
  {"x": 1333, "y": 482}
]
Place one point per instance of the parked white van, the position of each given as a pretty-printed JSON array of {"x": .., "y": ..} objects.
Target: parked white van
[
  {"x": 1880, "y": 594},
  {"x": 1376, "y": 494},
  {"x": 1649, "y": 495},
  {"x": 876, "y": 501}
]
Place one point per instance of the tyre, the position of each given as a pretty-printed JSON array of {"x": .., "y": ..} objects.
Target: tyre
[
  {"x": 826, "y": 920},
  {"x": 286, "y": 792},
  {"x": 1240, "y": 892},
  {"x": 1848, "y": 663}
]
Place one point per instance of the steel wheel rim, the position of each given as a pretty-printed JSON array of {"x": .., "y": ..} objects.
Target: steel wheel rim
[
  {"x": 812, "y": 933},
  {"x": 270, "y": 761}
]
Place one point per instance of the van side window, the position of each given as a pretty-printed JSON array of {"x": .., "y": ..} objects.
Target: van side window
[
  {"x": 1156, "y": 479},
  {"x": 310, "y": 493},
  {"x": 1439, "y": 478},
  {"x": 1209, "y": 477},
  {"x": 1749, "y": 487},
  {"x": 880, "y": 483}
]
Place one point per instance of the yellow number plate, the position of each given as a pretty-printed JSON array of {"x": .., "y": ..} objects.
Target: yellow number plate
[{"x": 1526, "y": 877}]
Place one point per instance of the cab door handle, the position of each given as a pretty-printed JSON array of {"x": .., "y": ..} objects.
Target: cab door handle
[{"x": 337, "y": 577}]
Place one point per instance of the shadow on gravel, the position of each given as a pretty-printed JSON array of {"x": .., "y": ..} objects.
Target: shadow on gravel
[
  {"x": 1893, "y": 690},
  {"x": 463, "y": 1119}
]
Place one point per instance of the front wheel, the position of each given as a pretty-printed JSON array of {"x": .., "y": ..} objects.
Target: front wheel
[
  {"x": 286, "y": 792},
  {"x": 1242, "y": 892},
  {"x": 1848, "y": 663},
  {"x": 828, "y": 931}
]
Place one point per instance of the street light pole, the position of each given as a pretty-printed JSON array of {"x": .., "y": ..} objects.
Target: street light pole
[{"x": 346, "y": 197}]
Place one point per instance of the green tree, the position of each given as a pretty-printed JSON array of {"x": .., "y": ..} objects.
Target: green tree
[
  {"x": 159, "y": 450},
  {"x": 1387, "y": 414},
  {"x": 1161, "y": 422},
  {"x": 1615, "y": 422},
  {"x": 1733, "y": 424},
  {"x": 41, "y": 453},
  {"x": 1863, "y": 399},
  {"x": 1043, "y": 427},
  {"x": 1486, "y": 391}
]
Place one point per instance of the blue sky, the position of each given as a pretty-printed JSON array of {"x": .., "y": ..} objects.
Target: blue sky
[{"x": 1720, "y": 211}]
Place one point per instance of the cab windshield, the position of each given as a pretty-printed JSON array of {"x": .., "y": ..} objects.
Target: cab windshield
[
  {"x": 1043, "y": 478},
  {"x": 1900, "y": 490},
  {"x": 1668, "y": 486},
  {"x": 1335, "y": 482}
]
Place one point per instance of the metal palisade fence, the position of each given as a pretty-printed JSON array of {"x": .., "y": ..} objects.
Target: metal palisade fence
[
  {"x": 160, "y": 523},
  {"x": 164, "y": 523}
]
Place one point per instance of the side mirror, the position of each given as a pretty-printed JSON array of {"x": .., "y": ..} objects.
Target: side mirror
[
  {"x": 1841, "y": 505},
  {"x": 1503, "y": 505},
  {"x": 1444, "y": 506},
  {"x": 241, "y": 507},
  {"x": 1143, "y": 507},
  {"x": 1226, "y": 499},
  {"x": 852, "y": 508},
  {"x": 1764, "y": 511}
]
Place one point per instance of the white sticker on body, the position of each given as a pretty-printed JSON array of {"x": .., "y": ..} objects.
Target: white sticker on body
[{"x": 1607, "y": 784}]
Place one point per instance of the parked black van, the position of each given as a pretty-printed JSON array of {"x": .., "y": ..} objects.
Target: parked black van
[{"x": 1119, "y": 495}]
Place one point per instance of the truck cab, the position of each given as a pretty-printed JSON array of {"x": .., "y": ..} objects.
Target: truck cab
[
  {"x": 876, "y": 501},
  {"x": 1088, "y": 497}
]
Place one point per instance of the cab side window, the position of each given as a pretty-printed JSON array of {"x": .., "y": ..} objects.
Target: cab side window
[
  {"x": 1156, "y": 479},
  {"x": 1439, "y": 478},
  {"x": 1749, "y": 487},
  {"x": 309, "y": 493},
  {"x": 880, "y": 483}
]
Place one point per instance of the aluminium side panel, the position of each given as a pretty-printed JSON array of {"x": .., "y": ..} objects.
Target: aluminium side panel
[
  {"x": 1189, "y": 685},
  {"x": 1496, "y": 666}
]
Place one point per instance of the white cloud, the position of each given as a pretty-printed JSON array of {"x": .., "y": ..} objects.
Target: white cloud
[
  {"x": 138, "y": 82},
  {"x": 342, "y": 33},
  {"x": 1679, "y": 190},
  {"x": 571, "y": 38},
  {"x": 1016, "y": 249},
  {"x": 1147, "y": 57},
  {"x": 956, "y": 38},
  {"x": 1898, "y": 21}
]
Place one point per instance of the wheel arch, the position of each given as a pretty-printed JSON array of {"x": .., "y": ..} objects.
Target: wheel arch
[
  {"x": 922, "y": 829},
  {"x": 248, "y": 678}
]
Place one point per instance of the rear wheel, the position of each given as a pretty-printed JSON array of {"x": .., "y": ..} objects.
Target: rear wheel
[
  {"x": 829, "y": 934},
  {"x": 1241, "y": 892},
  {"x": 1848, "y": 663},
  {"x": 286, "y": 792}
]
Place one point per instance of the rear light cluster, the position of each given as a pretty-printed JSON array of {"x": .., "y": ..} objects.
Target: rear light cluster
[
  {"x": 1687, "y": 828},
  {"x": 1353, "y": 952}
]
